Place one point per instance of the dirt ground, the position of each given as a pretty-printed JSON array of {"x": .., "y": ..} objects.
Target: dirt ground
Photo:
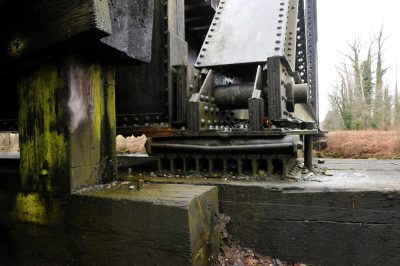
[
  {"x": 363, "y": 144},
  {"x": 233, "y": 254}
]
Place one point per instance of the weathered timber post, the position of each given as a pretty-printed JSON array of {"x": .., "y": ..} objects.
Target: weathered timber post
[
  {"x": 64, "y": 53},
  {"x": 67, "y": 125}
]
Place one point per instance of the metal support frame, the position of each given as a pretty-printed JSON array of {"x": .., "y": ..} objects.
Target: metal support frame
[
  {"x": 308, "y": 151},
  {"x": 312, "y": 53},
  {"x": 267, "y": 84}
]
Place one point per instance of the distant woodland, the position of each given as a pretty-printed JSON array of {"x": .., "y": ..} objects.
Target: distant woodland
[{"x": 362, "y": 97}]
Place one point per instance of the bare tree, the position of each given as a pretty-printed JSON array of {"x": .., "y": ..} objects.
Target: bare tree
[
  {"x": 379, "y": 104},
  {"x": 396, "y": 106},
  {"x": 360, "y": 97}
]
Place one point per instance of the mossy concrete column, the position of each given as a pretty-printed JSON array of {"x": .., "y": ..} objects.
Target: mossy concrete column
[{"x": 67, "y": 125}]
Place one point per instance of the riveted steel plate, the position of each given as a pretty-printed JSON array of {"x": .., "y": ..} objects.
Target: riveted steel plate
[{"x": 245, "y": 31}]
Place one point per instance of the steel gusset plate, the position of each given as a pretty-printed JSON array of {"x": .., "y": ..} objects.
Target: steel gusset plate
[{"x": 245, "y": 32}]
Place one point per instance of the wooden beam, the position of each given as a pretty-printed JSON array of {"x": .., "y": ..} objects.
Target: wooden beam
[
  {"x": 132, "y": 28},
  {"x": 29, "y": 27}
]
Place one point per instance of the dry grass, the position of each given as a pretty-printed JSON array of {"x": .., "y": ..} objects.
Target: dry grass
[{"x": 363, "y": 144}]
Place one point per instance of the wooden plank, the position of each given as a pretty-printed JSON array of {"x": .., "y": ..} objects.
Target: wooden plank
[
  {"x": 132, "y": 28},
  {"x": 184, "y": 229},
  {"x": 176, "y": 17},
  {"x": 178, "y": 50},
  {"x": 172, "y": 19},
  {"x": 325, "y": 243},
  {"x": 180, "y": 16},
  {"x": 186, "y": 80},
  {"x": 275, "y": 109},
  {"x": 317, "y": 228},
  {"x": 30, "y": 27},
  {"x": 142, "y": 89},
  {"x": 256, "y": 114}
]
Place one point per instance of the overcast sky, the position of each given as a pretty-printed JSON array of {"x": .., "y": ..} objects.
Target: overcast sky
[{"x": 341, "y": 21}]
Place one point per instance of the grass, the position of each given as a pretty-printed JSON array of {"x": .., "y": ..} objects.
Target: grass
[{"x": 363, "y": 144}]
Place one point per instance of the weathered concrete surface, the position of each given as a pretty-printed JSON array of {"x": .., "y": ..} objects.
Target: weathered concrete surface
[{"x": 158, "y": 225}]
